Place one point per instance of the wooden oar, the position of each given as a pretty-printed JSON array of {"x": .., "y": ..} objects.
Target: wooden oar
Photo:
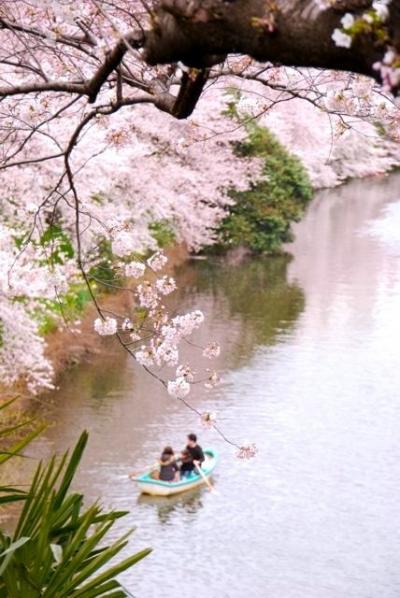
[{"x": 203, "y": 475}]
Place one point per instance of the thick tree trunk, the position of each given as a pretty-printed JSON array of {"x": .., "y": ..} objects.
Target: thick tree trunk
[{"x": 290, "y": 32}]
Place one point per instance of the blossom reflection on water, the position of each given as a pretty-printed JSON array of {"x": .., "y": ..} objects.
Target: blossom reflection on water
[{"x": 311, "y": 374}]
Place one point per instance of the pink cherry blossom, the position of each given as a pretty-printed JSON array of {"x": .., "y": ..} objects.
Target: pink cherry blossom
[
  {"x": 185, "y": 371},
  {"x": 208, "y": 418},
  {"x": 135, "y": 269},
  {"x": 166, "y": 285},
  {"x": 213, "y": 380},
  {"x": 145, "y": 356},
  {"x": 247, "y": 451},
  {"x": 212, "y": 350},
  {"x": 147, "y": 295},
  {"x": 178, "y": 388},
  {"x": 106, "y": 327},
  {"x": 157, "y": 261}
]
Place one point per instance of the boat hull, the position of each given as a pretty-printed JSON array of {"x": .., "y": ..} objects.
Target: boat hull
[{"x": 147, "y": 485}]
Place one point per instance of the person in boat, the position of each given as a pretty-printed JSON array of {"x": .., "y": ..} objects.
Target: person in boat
[
  {"x": 168, "y": 466},
  {"x": 195, "y": 450},
  {"x": 187, "y": 465}
]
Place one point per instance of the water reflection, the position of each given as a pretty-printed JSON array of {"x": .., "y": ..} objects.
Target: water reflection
[
  {"x": 252, "y": 294},
  {"x": 188, "y": 503},
  {"x": 312, "y": 375}
]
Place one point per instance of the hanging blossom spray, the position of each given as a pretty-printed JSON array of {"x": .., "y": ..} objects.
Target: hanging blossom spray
[{"x": 154, "y": 338}]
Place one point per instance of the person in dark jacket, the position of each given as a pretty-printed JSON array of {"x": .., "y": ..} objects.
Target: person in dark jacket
[
  {"x": 195, "y": 450},
  {"x": 187, "y": 465},
  {"x": 168, "y": 466}
]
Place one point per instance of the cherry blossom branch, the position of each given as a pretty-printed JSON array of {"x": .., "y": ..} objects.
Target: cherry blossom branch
[{"x": 166, "y": 328}]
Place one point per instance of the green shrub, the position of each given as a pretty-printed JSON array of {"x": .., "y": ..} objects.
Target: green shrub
[
  {"x": 103, "y": 267},
  {"x": 47, "y": 323},
  {"x": 261, "y": 217},
  {"x": 68, "y": 307},
  {"x": 163, "y": 233}
]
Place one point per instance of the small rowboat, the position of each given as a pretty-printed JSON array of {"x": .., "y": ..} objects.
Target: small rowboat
[{"x": 148, "y": 485}]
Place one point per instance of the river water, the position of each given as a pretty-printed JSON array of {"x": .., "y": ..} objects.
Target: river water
[{"x": 311, "y": 374}]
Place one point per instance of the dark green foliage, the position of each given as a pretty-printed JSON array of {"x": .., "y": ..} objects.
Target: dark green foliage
[
  {"x": 163, "y": 233},
  {"x": 47, "y": 323},
  {"x": 57, "y": 548},
  {"x": 103, "y": 268},
  {"x": 15, "y": 446},
  {"x": 57, "y": 248},
  {"x": 261, "y": 217},
  {"x": 57, "y": 244},
  {"x": 68, "y": 307}
]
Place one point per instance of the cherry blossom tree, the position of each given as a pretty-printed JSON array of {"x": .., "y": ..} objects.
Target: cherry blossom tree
[
  {"x": 99, "y": 142},
  {"x": 316, "y": 33}
]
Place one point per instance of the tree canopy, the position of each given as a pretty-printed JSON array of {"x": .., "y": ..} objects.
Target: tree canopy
[{"x": 101, "y": 153}]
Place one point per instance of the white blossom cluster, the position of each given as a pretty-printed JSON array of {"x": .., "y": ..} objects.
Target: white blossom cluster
[
  {"x": 157, "y": 261},
  {"x": 166, "y": 285},
  {"x": 135, "y": 269},
  {"x": 22, "y": 350},
  {"x": 208, "y": 418},
  {"x": 106, "y": 327},
  {"x": 212, "y": 350},
  {"x": 133, "y": 169},
  {"x": 381, "y": 8},
  {"x": 389, "y": 69},
  {"x": 247, "y": 451},
  {"x": 162, "y": 348},
  {"x": 343, "y": 37},
  {"x": 178, "y": 388}
]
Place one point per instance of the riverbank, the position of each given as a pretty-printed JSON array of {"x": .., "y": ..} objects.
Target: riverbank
[
  {"x": 76, "y": 343},
  {"x": 310, "y": 371},
  {"x": 70, "y": 345},
  {"x": 67, "y": 347}
]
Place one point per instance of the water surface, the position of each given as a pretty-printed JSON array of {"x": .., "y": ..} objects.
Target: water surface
[{"x": 311, "y": 371}]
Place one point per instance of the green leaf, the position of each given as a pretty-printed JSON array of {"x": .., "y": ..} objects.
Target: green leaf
[
  {"x": 11, "y": 495},
  {"x": 163, "y": 232},
  {"x": 112, "y": 572},
  {"x": 103, "y": 589},
  {"x": 6, "y": 404},
  {"x": 9, "y": 552},
  {"x": 19, "y": 446},
  {"x": 58, "y": 549},
  {"x": 14, "y": 546},
  {"x": 71, "y": 469}
]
